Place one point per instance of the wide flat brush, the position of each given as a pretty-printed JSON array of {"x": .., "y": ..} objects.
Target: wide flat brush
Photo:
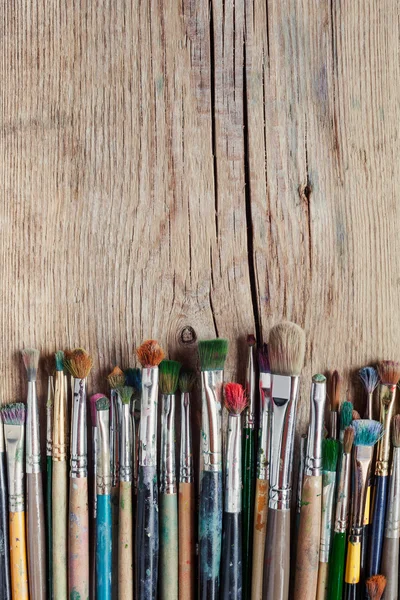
[
  {"x": 376, "y": 587},
  {"x": 104, "y": 515},
  {"x": 286, "y": 350},
  {"x": 336, "y": 384},
  {"x": 5, "y": 575},
  {"x": 49, "y": 476}
]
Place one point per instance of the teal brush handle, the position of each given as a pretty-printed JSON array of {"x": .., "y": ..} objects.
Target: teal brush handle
[
  {"x": 169, "y": 547},
  {"x": 248, "y": 507},
  {"x": 336, "y": 566},
  {"x": 103, "y": 548},
  {"x": 49, "y": 516}
]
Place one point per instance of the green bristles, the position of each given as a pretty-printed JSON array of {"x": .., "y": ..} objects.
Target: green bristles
[
  {"x": 346, "y": 415},
  {"x": 13, "y": 414},
  {"x": 319, "y": 378},
  {"x": 169, "y": 376},
  {"x": 125, "y": 394},
  {"x": 212, "y": 354},
  {"x": 367, "y": 432},
  {"x": 330, "y": 451},
  {"x": 102, "y": 403},
  {"x": 59, "y": 356},
  {"x": 187, "y": 380}
]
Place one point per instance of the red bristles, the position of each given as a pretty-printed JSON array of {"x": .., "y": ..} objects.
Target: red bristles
[{"x": 235, "y": 398}]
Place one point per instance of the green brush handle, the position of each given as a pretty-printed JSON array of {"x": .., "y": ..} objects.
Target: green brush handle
[
  {"x": 336, "y": 566},
  {"x": 248, "y": 507},
  {"x": 49, "y": 516}
]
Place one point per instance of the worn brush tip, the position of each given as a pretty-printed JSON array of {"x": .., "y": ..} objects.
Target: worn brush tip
[
  {"x": 125, "y": 394},
  {"x": 133, "y": 378},
  {"x": 346, "y": 414},
  {"x": 251, "y": 339},
  {"x": 235, "y": 398},
  {"x": 30, "y": 356},
  {"x": 330, "y": 451},
  {"x": 389, "y": 372},
  {"x": 263, "y": 360},
  {"x": 150, "y": 354},
  {"x": 187, "y": 380},
  {"x": 59, "y": 360},
  {"x": 169, "y": 376},
  {"x": 212, "y": 354},
  {"x": 286, "y": 349},
  {"x": 92, "y": 403},
  {"x": 369, "y": 378},
  {"x": 396, "y": 431},
  {"x": 348, "y": 439},
  {"x": 367, "y": 432},
  {"x": 13, "y": 414},
  {"x": 318, "y": 378},
  {"x": 102, "y": 403},
  {"x": 355, "y": 415},
  {"x": 116, "y": 378},
  {"x": 49, "y": 364},
  {"x": 78, "y": 362},
  {"x": 376, "y": 586},
  {"x": 336, "y": 384}
]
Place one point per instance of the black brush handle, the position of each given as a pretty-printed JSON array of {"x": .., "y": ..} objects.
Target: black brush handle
[
  {"x": 5, "y": 576},
  {"x": 231, "y": 559},
  {"x": 210, "y": 525},
  {"x": 351, "y": 591},
  {"x": 147, "y": 540},
  {"x": 378, "y": 525}
]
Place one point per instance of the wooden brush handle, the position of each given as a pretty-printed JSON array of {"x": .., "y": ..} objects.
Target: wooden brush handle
[
  {"x": 378, "y": 525},
  {"x": 186, "y": 541},
  {"x": 390, "y": 567},
  {"x": 78, "y": 539},
  {"x": 277, "y": 556},
  {"x": 5, "y": 575},
  {"x": 168, "y": 547},
  {"x": 125, "y": 542},
  {"x": 260, "y": 531},
  {"x": 60, "y": 531},
  {"x": 307, "y": 558},
  {"x": 49, "y": 529},
  {"x": 36, "y": 532},
  {"x": 322, "y": 587},
  {"x": 19, "y": 567}
]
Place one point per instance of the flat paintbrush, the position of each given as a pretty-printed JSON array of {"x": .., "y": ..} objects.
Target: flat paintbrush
[
  {"x": 49, "y": 476},
  {"x": 104, "y": 516},
  {"x": 5, "y": 575},
  {"x": 376, "y": 587}
]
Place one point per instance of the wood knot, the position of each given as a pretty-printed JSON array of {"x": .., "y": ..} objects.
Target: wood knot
[
  {"x": 188, "y": 335},
  {"x": 305, "y": 191}
]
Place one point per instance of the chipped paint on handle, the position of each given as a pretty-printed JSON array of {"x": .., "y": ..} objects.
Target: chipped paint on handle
[
  {"x": 18, "y": 553},
  {"x": 78, "y": 540},
  {"x": 260, "y": 531},
  {"x": 103, "y": 547},
  {"x": 210, "y": 534},
  {"x": 147, "y": 540},
  {"x": 125, "y": 542},
  {"x": 169, "y": 547}
]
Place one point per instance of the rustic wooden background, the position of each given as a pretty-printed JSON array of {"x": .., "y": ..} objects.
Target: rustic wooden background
[{"x": 181, "y": 170}]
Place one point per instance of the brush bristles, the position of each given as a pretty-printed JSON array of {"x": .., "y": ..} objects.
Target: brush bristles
[
  {"x": 367, "y": 432},
  {"x": 318, "y": 378},
  {"x": 187, "y": 380},
  {"x": 30, "y": 356},
  {"x": 169, "y": 376},
  {"x": 355, "y": 415},
  {"x": 263, "y": 360},
  {"x": 116, "y": 379},
  {"x": 150, "y": 354},
  {"x": 212, "y": 354},
  {"x": 235, "y": 398},
  {"x": 59, "y": 360},
  {"x": 369, "y": 378},
  {"x": 286, "y": 349},
  {"x": 336, "y": 384},
  {"x": 49, "y": 365},
  {"x": 396, "y": 431},
  {"x": 348, "y": 439},
  {"x": 376, "y": 586},
  {"x": 102, "y": 403},
  {"x": 133, "y": 379},
  {"x": 125, "y": 394},
  {"x": 93, "y": 412},
  {"x": 78, "y": 362},
  {"x": 13, "y": 414},
  {"x": 346, "y": 414},
  {"x": 389, "y": 372},
  {"x": 251, "y": 340},
  {"x": 330, "y": 451}
]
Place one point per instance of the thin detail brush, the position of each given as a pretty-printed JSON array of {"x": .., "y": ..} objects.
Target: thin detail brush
[
  {"x": 49, "y": 475},
  {"x": 336, "y": 386},
  {"x": 5, "y": 575},
  {"x": 104, "y": 516}
]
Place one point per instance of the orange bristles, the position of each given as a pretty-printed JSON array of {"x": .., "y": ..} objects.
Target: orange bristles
[
  {"x": 376, "y": 586},
  {"x": 78, "y": 362},
  {"x": 336, "y": 384},
  {"x": 389, "y": 372},
  {"x": 150, "y": 354},
  {"x": 235, "y": 398},
  {"x": 116, "y": 379}
]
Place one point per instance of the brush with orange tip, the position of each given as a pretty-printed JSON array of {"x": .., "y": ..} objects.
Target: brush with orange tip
[{"x": 376, "y": 586}]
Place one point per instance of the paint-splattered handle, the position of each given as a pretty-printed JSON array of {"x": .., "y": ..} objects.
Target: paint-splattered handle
[
  {"x": 248, "y": 506},
  {"x": 390, "y": 567},
  {"x": 103, "y": 548},
  {"x": 231, "y": 560},
  {"x": 18, "y": 553},
  {"x": 187, "y": 534},
  {"x": 78, "y": 539},
  {"x": 5, "y": 575},
  {"x": 378, "y": 525},
  {"x": 125, "y": 542},
  {"x": 277, "y": 555},
  {"x": 36, "y": 532},
  {"x": 210, "y": 534},
  {"x": 147, "y": 540},
  {"x": 260, "y": 530},
  {"x": 60, "y": 536},
  {"x": 169, "y": 547},
  {"x": 336, "y": 566}
]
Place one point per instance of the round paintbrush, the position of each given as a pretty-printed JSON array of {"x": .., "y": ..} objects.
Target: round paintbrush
[
  {"x": 335, "y": 391},
  {"x": 376, "y": 587}
]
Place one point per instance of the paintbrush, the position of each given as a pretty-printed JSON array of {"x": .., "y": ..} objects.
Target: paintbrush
[
  {"x": 376, "y": 586},
  {"x": 262, "y": 475},
  {"x": 369, "y": 378},
  {"x": 150, "y": 355},
  {"x": 36, "y": 527},
  {"x": 336, "y": 384},
  {"x": 5, "y": 575},
  {"x": 308, "y": 543},
  {"x": 330, "y": 450},
  {"x": 346, "y": 418},
  {"x": 187, "y": 504},
  {"x": 212, "y": 355},
  {"x": 125, "y": 537},
  {"x": 389, "y": 373},
  {"x": 59, "y": 548},
  {"x": 299, "y": 489},
  {"x": 104, "y": 515},
  {"x": 13, "y": 417},
  {"x": 93, "y": 493},
  {"x": 286, "y": 350},
  {"x": 390, "y": 551},
  {"x": 49, "y": 474},
  {"x": 231, "y": 559},
  {"x": 249, "y": 473},
  {"x": 133, "y": 379},
  {"x": 79, "y": 363},
  {"x": 338, "y": 551},
  {"x": 367, "y": 433}
]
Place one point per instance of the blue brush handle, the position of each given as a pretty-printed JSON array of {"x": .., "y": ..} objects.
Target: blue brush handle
[
  {"x": 378, "y": 525},
  {"x": 5, "y": 576},
  {"x": 103, "y": 548},
  {"x": 231, "y": 559},
  {"x": 210, "y": 534},
  {"x": 147, "y": 541}
]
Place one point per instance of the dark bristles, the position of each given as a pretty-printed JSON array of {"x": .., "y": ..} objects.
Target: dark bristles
[
  {"x": 78, "y": 362},
  {"x": 235, "y": 398},
  {"x": 187, "y": 380},
  {"x": 336, "y": 384},
  {"x": 286, "y": 349},
  {"x": 389, "y": 372},
  {"x": 59, "y": 360},
  {"x": 212, "y": 354},
  {"x": 251, "y": 340},
  {"x": 102, "y": 403},
  {"x": 376, "y": 586},
  {"x": 125, "y": 394},
  {"x": 13, "y": 414},
  {"x": 263, "y": 360},
  {"x": 346, "y": 415},
  {"x": 150, "y": 354},
  {"x": 134, "y": 380},
  {"x": 169, "y": 376},
  {"x": 30, "y": 356},
  {"x": 367, "y": 432},
  {"x": 116, "y": 379},
  {"x": 93, "y": 411},
  {"x": 330, "y": 451},
  {"x": 355, "y": 415},
  {"x": 369, "y": 377},
  {"x": 396, "y": 431},
  {"x": 348, "y": 439}
]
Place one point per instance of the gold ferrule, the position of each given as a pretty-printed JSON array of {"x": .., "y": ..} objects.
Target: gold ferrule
[
  {"x": 387, "y": 398},
  {"x": 59, "y": 418}
]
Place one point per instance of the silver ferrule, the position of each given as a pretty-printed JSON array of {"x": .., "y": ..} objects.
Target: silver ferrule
[
  {"x": 186, "y": 456},
  {"x": 313, "y": 464},
  {"x": 233, "y": 472},
  {"x": 284, "y": 394},
  {"x": 362, "y": 457},
  {"x": 114, "y": 435},
  {"x": 251, "y": 388},
  {"x": 68, "y": 393},
  {"x": 126, "y": 442},
  {"x": 148, "y": 418},
  {"x": 135, "y": 449},
  {"x": 303, "y": 446},
  {"x": 264, "y": 435},
  {"x": 343, "y": 495},
  {"x": 211, "y": 395},
  {"x": 14, "y": 438},
  {"x": 2, "y": 443},
  {"x": 392, "y": 527},
  {"x": 49, "y": 416},
  {"x": 103, "y": 475},
  {"x": 78, "y": 431},
  {"x": 94, "y": 459},
  {"x": 168, "y": 471},
  {"x": 328, "y": 494},
  {"x": 32, "y": 458}
]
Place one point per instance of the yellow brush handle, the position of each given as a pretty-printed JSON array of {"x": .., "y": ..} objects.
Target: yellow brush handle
[
  {"x": 19, "y": 567},
  {"x": 353, "y": 562},
  {"x": 259, "y": 533},
  {"x": 367, "y": 506}
]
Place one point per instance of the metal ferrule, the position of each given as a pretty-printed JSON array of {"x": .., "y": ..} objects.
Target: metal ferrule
[
  {"x": 303, "y": 445},
  {"x": 114, "y": 453},
  {"x": 2, "y": 443},
  {"x": 362, "y": 458},
  {"x": 103, "y": 474},
  {"x": 313, "y": 463},
  {"x": 284, "y": 394},
  {"x": 333, "y": 424},
  {"x": 328, "y": 487},
  {"x": 387, "y": 397},
  {"x": 49, "y": 416},
  {"x": 59, "y": 418},
  {"x": 95, "y": 448},
  {"x": 14, "y": 437},
  {"x": 233, "y": 472},
  {"x": 32, "y": 458},
  {"x": 250, "y": 412},
  {"x": 135, "y": 448},
  {"x": 148, "y": 418},
  {"x": 343, "y": 495},
  {"x": 168, "y": 471},
  {"x": 211, "y": 395},
  {"x": 265, "y": 427},
  {"x": 186, "y": 456},
  {"x": 392, "y": 529},
  {"x": 68, "y": 416},
  {"x": 126, "y": 442},
  {"x": 78, "y": 431}
]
